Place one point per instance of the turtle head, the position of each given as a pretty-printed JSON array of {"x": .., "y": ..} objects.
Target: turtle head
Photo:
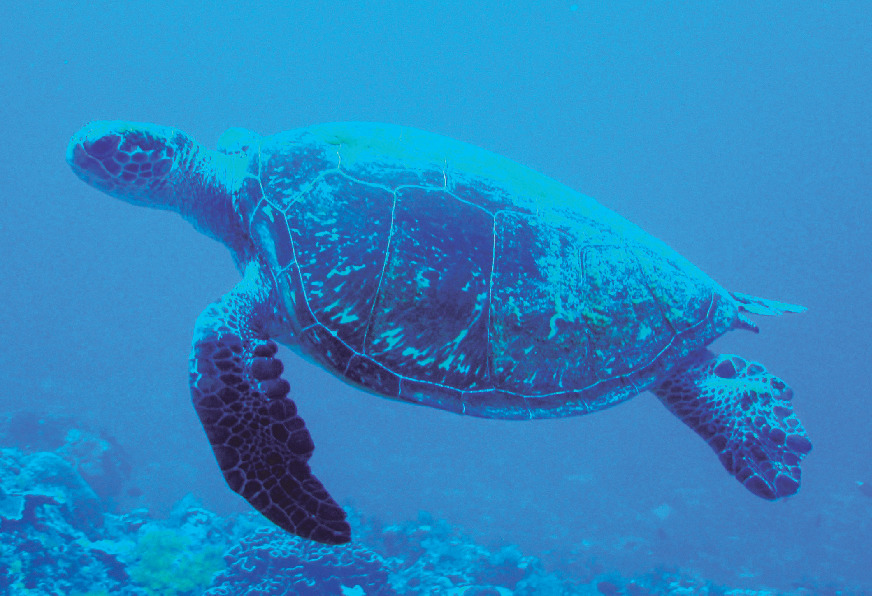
[
  {"x": 161, "y": 167},
  {"x": 143, "y": 164}
]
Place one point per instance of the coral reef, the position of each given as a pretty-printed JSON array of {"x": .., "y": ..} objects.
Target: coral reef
[
  {"x": 429, "y": 556},
  {"x": 48, "y": 515},
  {"x": 97, "y": 458},
  {"x": 60, "y": 534},
  {"x": 269, "y": 561}
]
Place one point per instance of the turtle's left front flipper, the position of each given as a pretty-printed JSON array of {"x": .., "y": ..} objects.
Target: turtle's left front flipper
[
  {"x": 745, "y": 414},
  {"x": 261, "y": 444}
]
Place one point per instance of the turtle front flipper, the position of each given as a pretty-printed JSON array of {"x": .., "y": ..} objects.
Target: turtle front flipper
[
  {"x": 261, "y": 444},
  {"x": 745, "y": 414}
]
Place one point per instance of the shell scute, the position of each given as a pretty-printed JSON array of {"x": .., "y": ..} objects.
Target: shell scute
[
  {"x": 372, "y": 375},
  {"x": 676, "y": 289},
  {"x": 536, "y": 311},
  {"x": 297, "y": 159},
  {"x": 434, "y": 395},
  {"x": 393, "y": 175},
  {"x": 478, "y": 192},
  {"x": 340, "y": 252},
  {"x": 429, "y": 321},
  {"x": 326, "y": 347},
  {"x": 625, "y": 324},
  {"x": 270, "y": 227}
]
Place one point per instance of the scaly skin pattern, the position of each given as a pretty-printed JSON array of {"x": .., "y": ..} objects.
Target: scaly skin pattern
[
  {"x": 745, "y": 414},
  {"x": 161, "y": 167},
  {"x": 132, "y": 162},
  {"x": 261, "y": 444}
]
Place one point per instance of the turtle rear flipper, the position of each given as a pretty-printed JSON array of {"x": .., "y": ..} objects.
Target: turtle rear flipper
[
  {"x": 261, "y": 444},
  {"x": 764, "y": 306},
  {"x": 745, "y": 414}
]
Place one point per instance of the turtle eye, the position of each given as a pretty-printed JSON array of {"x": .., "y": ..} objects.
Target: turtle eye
[
  {"x": 755, "y": 369},
  {"x": 103, "y": 147},
  {"x": 725, "y": 370}
]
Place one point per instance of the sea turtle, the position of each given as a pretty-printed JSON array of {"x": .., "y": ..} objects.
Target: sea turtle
[{"x": 430, "y": 271}]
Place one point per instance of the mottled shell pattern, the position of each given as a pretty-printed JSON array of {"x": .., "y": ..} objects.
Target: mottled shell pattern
[{"x": 431, "y": 271}]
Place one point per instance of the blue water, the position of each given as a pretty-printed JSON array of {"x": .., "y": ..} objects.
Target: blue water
[{"x": 740, "y": 136}]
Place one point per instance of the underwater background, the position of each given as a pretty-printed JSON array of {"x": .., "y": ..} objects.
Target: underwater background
[{"x": 738, "y": 133}]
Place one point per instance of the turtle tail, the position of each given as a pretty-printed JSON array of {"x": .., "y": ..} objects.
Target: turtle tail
[{"x": 760, "y": 306}]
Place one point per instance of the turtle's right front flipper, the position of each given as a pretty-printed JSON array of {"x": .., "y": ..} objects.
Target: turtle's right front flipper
[{"x": 261, "y": 444}]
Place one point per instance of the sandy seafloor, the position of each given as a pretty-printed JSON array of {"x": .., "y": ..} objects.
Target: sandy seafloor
[{"x": 740, "y": 135}]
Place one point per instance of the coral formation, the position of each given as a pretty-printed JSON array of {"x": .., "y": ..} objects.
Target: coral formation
[
  {"x": 270, "y": 561},
  {"x": 48, "y": 515},
  {"x": 60, "y": 535},
  {"x": 430, "y": 556}
]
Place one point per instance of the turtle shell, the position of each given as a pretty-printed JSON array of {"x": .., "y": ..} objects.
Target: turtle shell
[{"x": 428, "y": 270}]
